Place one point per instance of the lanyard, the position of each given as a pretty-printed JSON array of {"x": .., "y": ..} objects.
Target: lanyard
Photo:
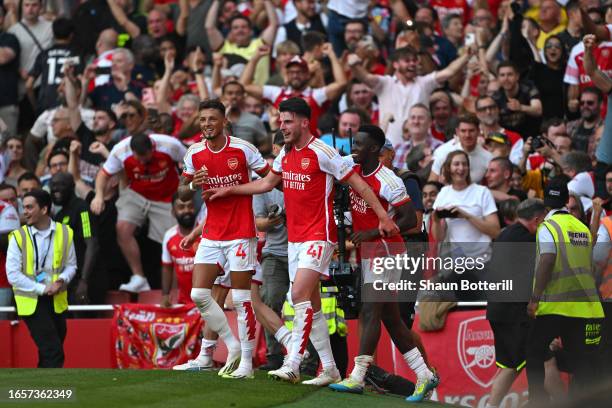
[{"x": 36, "y": 249}]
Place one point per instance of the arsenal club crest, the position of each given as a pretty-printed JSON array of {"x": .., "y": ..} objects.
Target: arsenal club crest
[
  {"x": 476, "y": 350},
  {"x": 232, "y": 163},
  {"x": 305, "y": 163}
]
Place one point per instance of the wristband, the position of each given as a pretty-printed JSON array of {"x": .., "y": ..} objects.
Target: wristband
[{"x": 191, "y": 186}]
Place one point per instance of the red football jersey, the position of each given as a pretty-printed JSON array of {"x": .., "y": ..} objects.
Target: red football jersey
[
  {"x": 232, "y": 217},
  {"x": 308, "y": 187},
  {"x": 181, "y": 260},
  {"x": 316, "y": 99},
  {"x": 391, "y": 193},
  {"x": 444, "y": 7},
  {"x": 156, "y": 180}
]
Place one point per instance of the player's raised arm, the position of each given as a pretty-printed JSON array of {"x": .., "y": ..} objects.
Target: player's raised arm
[{"x": 386, "y": 225}]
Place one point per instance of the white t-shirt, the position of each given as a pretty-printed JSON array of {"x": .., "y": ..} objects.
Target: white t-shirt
[
  {"x": 397, "y": 99},
  {"x": 584, "y": 187},
  {"x": 602, "y": 248},
  {"x": 545, "y": 239},
  {"x": 479, "y": 159},
  {"x": 9, "y": 219},
  {"x": 349, "y": 8},
  {"x": 43, "y": 32},
  {"x": 43, "y": 125},
  {"x": 476, "y": 200}
]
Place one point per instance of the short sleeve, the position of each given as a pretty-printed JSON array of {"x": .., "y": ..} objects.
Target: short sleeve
[
  {"x": 39, "y": 129},
  {"x": 488, "y": 202},
  {"x": 277, "y": 166},
  {"x": 188, "y": 167},
  {"x": 381, "y": 85},
  {"x": 571, "y": 70},
  {"x": 9, "y": 219},
  {"x": 428, "y": 82},
  {"x": 165, "y": 257},
  {"x": 113, "y": 164},
  {"x": 546, "y": 241},
  {"x": 255, "y": 160},
  {"x": 178, "y": 151},
  {"x": 271, "y": 92},
  {"x": 332, "y": 163},
  {"x": 319, "y": 95},
  {"x": 394, "y": 191},
  {"x": 259, "y": 205}
]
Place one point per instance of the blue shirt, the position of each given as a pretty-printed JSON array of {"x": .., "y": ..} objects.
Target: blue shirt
[
  {"x": 342, "y": 143},
  {"x": 604, "y": 149}
]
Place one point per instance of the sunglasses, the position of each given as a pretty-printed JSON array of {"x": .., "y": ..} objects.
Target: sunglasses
[
  {"x": 486, "y": 108},
  {"x": 553, "y": 45},
  {"x": 587, "y": 103}
]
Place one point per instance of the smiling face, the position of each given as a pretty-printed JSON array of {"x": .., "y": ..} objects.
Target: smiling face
[
  {"x": 487, "y": 111},
  {"x": 32, "y": 212},
  {"x": 459, "y": 168},
  {"x": 407, "y": 66},
  {"x": 186, "y": 110},
  {"x": 348, "y": 123},
  {"x": 362, "y": 148},
  {"x": 240, "y": 32},
  {"x": 508, "y": 78},
  {"x": 297, "y": 77},
  {"x": 353, "y": 33},
  {"x": 589, "y": 106},
  {"x": 468, "y": 135},
  {"x": 212, "y": 123},
  {"x": 430, "y": 193},
  {"x": 418, "y": 123},
  {"x": 292, "y": 126},
  {"x": 495, "y": 175}
]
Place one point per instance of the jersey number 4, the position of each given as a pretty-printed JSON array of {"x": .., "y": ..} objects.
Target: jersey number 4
[
  {"x": 315, "y": 253},
  {"x": 240, "y": 252}
]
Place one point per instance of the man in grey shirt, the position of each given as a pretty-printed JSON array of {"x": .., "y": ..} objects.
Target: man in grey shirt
[
  {"x": 245, "y": 126},
  {"x": 269, "y": 209}
]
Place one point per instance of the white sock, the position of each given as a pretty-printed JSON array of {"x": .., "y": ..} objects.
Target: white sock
[
  {"x": 246, "y": 326},
  {"x": 415, "y": 361},
  {"x": 207, "y": 348},
  {"x": 214, "y": 317},
  {"x": 320, "y": 340},
  {"x": 362, "y": 363},
  {"x": 302, "y": 325},
  {"x": 283, "y": 336}
]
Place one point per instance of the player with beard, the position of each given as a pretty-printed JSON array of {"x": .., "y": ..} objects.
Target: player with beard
[
  {"x": 228, "y": 233},
  {"x": 296, "y": 83},
  {"x": 391, "y": 193},
  {"x": 307, "y": 167},
  {"x": 75, "y": 213}
]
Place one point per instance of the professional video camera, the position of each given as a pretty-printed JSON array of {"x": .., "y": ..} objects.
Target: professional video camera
[{"x": 341, "y": 272}]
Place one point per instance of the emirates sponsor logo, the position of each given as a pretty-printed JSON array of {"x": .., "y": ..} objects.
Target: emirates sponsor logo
[
  {"x": 232, "y": 163},
  {"x": 305, "y": 163}
]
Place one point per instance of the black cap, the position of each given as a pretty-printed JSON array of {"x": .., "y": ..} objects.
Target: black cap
[{"x": 556, "y": 194}]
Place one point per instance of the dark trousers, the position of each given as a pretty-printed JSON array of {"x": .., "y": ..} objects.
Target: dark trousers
[
  {"x": 578, "y": 337},
  {"x": 274, "y": 289},
  {"x": 48, "y": 330}
]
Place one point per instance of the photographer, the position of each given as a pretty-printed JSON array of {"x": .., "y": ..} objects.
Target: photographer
[{"x": 269, "y": 209}]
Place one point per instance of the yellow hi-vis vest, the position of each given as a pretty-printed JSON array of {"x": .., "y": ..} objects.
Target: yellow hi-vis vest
[
  {"x": 62, "y": 240},
  {"x": 605, "y": 287},
  {"x": 571, "y": 290},
  {"x": 333, "y": 314}
]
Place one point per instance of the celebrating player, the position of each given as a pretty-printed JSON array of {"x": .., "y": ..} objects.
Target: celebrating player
[
  {"x": 229, "y": 231},
  {"x": 307, "y": 167},
  {"x": 392, "y": 195}
]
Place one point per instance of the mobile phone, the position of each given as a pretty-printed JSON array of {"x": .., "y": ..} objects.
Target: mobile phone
[
  {"x": 470, "y": 39},
  {"x": 72, "y": 60},
  {"x": 446, "y": 214},
  {"x": 103, "y": 71}
]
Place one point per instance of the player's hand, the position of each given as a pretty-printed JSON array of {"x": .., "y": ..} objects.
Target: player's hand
[
  {"x": 97, "y": 205},
  {"x": 532, "y": 308},
  {"x": 387, "y": 227},
  {"x": 165, "y": 301},
  {"x": 81, "y": 293},
  {"x": 200, "y": 176},
  {"x": 216, "y": 193},
  {"x": 361, "y": 236},
  {"x": 188, "y": 241},
  {"x": 590, "y": 42}
]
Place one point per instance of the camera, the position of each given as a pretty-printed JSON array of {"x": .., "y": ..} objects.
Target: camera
[
  {"x": 446, "y": 214},
  {"x": 538, "y": 142},
  {"x": 275, "y": 210}
]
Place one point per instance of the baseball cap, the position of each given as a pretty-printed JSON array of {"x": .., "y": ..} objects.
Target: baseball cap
[
  {"x": 297, "y": 60},
  {"x": 498, "y": 137},
  {"x": 387, "y": 145},
  {"x": 556, "y": 194}
]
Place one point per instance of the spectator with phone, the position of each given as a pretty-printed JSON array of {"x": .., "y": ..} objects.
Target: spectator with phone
[{"x": 464, "y": 214}]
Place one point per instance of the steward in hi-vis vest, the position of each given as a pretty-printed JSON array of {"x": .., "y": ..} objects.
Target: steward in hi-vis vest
[
  {"x": 565, "y": 301},
  {"x": 40, "y": 262}
]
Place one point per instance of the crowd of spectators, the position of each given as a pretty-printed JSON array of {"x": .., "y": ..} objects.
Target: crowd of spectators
[{"x": 85, "y": 84}]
